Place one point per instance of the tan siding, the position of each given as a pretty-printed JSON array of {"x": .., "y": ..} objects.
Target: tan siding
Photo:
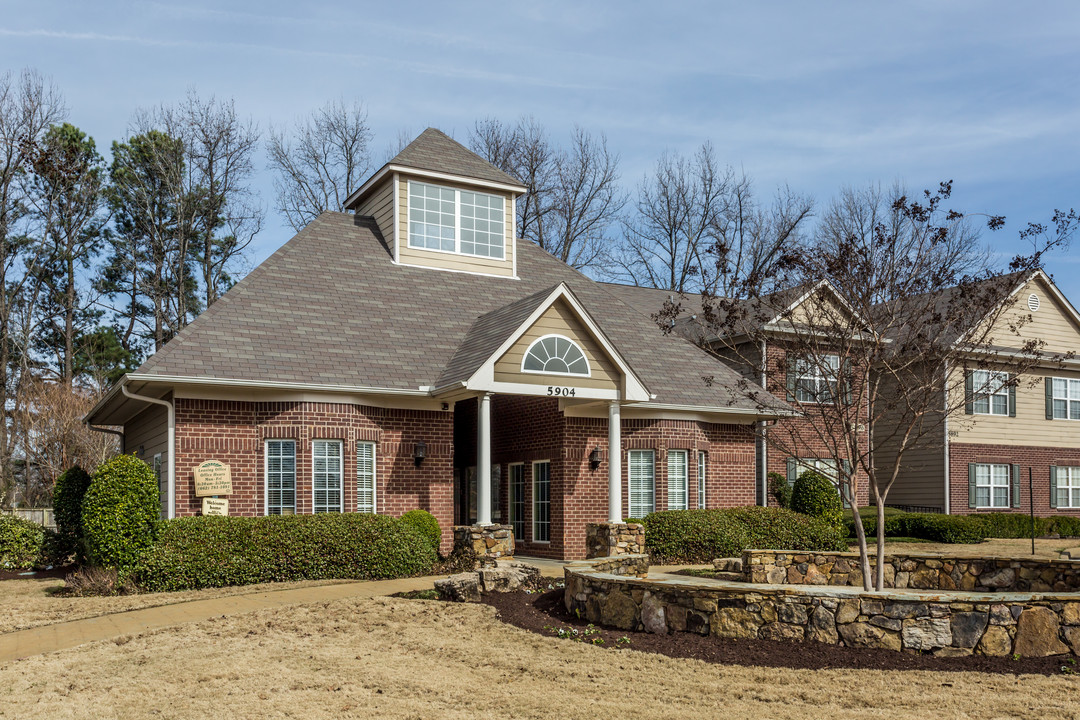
[
  {"x": 744, "y": 359},
  {"x": 559, "y": 319},
  {"x": 453, "y": 261},
  {"x": 1030, "y": 426},
  {"x": 1051, "y": 323},
  {"x": 149, "y": 430},
  {"x": 921, "y": 480},
  {"x": 380, "y": 205}
]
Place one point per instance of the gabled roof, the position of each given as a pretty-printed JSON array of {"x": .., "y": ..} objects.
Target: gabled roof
[
  {"x": 436, "y": 152},
  {"x": 331, "y": 308}
]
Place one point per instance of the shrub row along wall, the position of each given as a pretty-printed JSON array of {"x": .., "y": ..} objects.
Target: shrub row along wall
[
  {"x": 948, "y": 624},
  {"x": 915, "y": 570}
]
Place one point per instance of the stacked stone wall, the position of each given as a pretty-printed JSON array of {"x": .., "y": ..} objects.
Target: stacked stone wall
[{"x": 608, "y": 539}]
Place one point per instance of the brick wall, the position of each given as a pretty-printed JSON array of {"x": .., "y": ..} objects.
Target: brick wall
[
  {"x": 1039, "y": 459},
  {"x": 235, "y": 432}
]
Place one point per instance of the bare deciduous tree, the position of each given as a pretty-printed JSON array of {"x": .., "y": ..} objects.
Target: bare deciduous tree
[{"x": 320, "y": 161}]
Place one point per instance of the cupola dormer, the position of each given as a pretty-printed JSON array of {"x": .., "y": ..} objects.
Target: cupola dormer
[{"x": 439, "y": 205}]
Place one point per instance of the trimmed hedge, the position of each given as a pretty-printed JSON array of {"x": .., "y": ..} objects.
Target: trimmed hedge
[
  {"x": 425, "y": 524},
  {"x": 779, "y": 489},
  {"x": 215, "y": 551},
  {"x": 699, "y": 536},
  {"x": 817, "y": 496},
  {"x": 21, "y": 543},
  {"x": 968, "y": 528},
  {"x": 120, "y": 512},
  {"x": 68, "y": 493}
]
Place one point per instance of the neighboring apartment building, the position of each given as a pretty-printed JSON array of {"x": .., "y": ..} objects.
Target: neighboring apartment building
[
  {"x": 759, "y": 347},
  {"x": 418, "y": 355},
  {"x": 980, "y": 461}
]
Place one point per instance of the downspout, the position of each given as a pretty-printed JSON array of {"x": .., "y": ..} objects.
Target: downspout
[
  {"x": 764, "y": 432},
  {"x": 948, "y": 489},
  {"x": 101, "y": 429},
  {"x": 171, "y": 503}
]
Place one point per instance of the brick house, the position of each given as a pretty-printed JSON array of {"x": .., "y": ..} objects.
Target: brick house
[
  {"x": 416, "y": 354},
  {"x": 1011, "y": 426}
]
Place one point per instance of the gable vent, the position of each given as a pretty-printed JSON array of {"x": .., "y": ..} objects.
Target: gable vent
[{"x": 1033, "y": 302}]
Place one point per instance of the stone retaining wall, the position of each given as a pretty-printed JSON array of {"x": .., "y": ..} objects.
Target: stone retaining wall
[
  {"x": 914, "y": 570},
  {"x": 487, "y": 541},
  {"x": 607, "y": 539},
  {"x": 948, "y": 624}
]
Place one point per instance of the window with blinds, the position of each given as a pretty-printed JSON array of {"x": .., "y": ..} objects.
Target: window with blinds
[
  {"x": 517, "y": 500},
  {"x": 365, "y": 477},
  {"x": 677, "y": 480},
  {"x": 280, "y": 477},
  {"x": 541, "y": 501},
  {"x": 642, "y": 472},
  {"x": 326, "y": 475},
  {"x": 702, "y": 466}
]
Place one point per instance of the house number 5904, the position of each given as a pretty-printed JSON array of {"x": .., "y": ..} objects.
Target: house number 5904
[{"x": 562, "y": 391}]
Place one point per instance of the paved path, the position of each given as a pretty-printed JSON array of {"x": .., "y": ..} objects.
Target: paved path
[{"x": 61, "y": 636}]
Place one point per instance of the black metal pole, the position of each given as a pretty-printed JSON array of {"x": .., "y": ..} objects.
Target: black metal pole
[{"x": 1031, "y": 504}]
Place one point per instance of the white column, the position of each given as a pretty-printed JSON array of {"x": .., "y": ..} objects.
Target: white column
[
  {"x": 614, "y": 472},
  {"x": 483, "y": 460}
]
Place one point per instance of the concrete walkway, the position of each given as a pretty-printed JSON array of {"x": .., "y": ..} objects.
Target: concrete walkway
[{"x": 64, "y": 635}]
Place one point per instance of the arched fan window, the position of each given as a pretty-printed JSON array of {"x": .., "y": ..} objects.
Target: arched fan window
[{"x": 555, "y": 355}]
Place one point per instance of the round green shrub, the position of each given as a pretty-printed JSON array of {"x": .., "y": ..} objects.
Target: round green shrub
[
  {"x": 215, "y": 551},
  {"x": 816, "y": 495},
  {"x": 68, "y": 492},
  {"x": 20, "y": 543},
  {"x": 425, "y": 524},
  {"x": 120, "y": 512}
]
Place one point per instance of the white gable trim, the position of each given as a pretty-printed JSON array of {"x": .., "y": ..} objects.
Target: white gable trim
[
  {"x": 406, "y": 170},
  {"x": 483, "y": 379},
  {"x": 809, "y": 293}
]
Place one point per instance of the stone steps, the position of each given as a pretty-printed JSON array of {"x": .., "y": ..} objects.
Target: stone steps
[
  {"x": 728, "y": 565},
  {"x": 732, "y": 576}
]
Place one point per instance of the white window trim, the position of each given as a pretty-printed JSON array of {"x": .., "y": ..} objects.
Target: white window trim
[
  {"x": 457, "y": 222},
  {"x": 629, "y": 488},
  {"x": 511, "y": 496},
  {"x": 703, "y": 476},
  {"x": 374, "y": 477},
  {"x": 266, "y": 472},
  {"x": 1074, "y": 481},
  {"x": 534, "y": 501},
  {"x": 1055, "y": 397},
  {"x": 525, "y": 355},
  {"x": 685, "y": 454},
  {"x": 981, "y": 391},
  {"x": 991, "y": 486},
  {"x": 814, "y": 372},
  {"x": 341, "y": 473}
]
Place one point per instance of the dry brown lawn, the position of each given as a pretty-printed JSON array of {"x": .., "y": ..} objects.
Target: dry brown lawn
[
  {"x": 994, "y": 547},
  {"x": 389, "y": 658},
  {"x": 29, "y": 603}
]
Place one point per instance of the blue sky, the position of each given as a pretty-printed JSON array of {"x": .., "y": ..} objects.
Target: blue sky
[{"x": 814, "y": 95}]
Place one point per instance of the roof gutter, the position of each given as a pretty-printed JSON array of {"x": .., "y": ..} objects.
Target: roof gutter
[{"x": 171, "y": 500}]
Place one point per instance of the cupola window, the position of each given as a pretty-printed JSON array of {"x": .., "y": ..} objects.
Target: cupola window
[
  {"x": 457, "y": 221},
  {"x": 555, "y": 355}
]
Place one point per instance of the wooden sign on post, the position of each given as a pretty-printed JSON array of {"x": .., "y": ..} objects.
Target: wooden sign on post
[
  {"x": 213, "y": 478},
  {"x": 215, "y": 506}
]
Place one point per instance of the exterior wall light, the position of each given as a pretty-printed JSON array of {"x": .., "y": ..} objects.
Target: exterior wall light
[
  {"x": 419, "y": 452},
  {"x": 594, "y": 458}
]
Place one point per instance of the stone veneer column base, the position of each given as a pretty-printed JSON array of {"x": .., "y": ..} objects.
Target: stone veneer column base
[
  {"x": 487, "y": 541},
  {"x": 610, "y": 539}
]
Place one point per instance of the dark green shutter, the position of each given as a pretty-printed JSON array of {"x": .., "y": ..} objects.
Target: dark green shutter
[
  {"x": 791, "y": 470},
  {"x": 971, "y": 484},
  {"x": 1012, "y": 395},
  {"x": 969, "y": 394},
  {"x": 846, "y": 465},
  {"x": 1049, "y": 383},
  {"x": 1014, "y": 478},
  {"x": 1053, "y": 484},
  {"x": 847, "y": 381},
  {"x": 790, "y": 380}
]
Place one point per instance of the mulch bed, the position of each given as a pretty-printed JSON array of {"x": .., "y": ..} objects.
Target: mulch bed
[
  {"x": 544, "y": 613},
  {"x": 56, "y": 572}
]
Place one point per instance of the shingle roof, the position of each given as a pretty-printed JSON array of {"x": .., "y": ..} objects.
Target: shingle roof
[
  {"x": 330, "y": 307},
  {"x": 435, "y": 150}
]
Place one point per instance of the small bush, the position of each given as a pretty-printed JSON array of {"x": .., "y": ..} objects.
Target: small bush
[
  {"x": 425, "y": 524},
  {"x": 780, "y": 489},
  {"x": 699, "y": 536},
  {"x": 815, "y": 495},
  {"x": 199, "y": 552},
  {"x": 96, "y": 581},
  {"x": 120, "y": 512},
  {"x": 68, "y": 493},
  {"x": 952, "y": 529},
  {"x": 20, "y": 543}
]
